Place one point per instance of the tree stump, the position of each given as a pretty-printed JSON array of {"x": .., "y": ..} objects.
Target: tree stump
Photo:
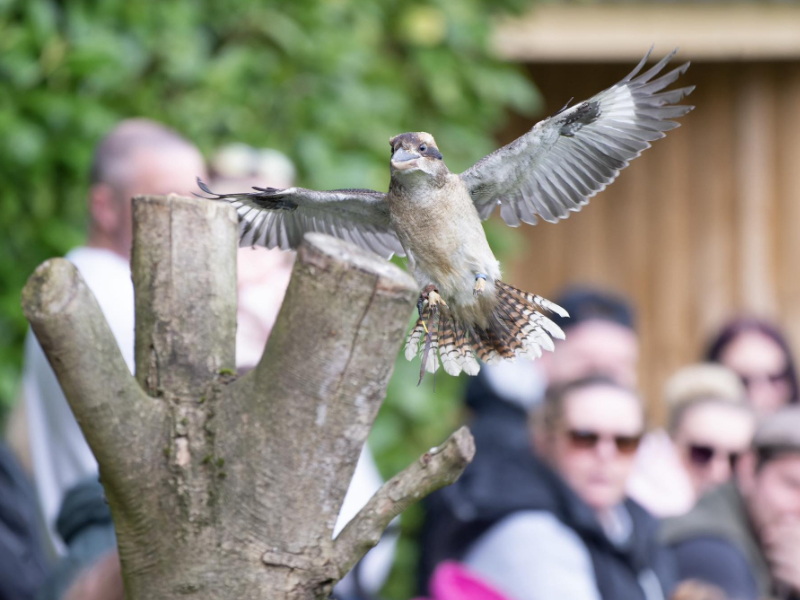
[{"x": 223, "y": 486}]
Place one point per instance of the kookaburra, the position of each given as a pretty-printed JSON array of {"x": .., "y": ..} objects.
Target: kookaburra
[{"x": 433, "y": 216}]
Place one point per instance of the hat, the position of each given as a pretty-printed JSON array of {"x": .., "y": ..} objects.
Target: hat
[
  {"x": 779, "y": 431},
  {"x": 586, "y": 304}
]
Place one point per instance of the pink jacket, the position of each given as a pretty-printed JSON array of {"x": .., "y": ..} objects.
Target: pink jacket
[{"x": 451, "y": 581}]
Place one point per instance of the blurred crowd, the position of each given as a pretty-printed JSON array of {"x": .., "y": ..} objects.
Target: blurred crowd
[{"x": 572, "y": 494}]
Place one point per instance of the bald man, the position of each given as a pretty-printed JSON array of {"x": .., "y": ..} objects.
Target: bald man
[{"x": 137, "y": 157}]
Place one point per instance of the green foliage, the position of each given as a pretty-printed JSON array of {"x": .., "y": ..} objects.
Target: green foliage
[{"x": 327, "y": 82}]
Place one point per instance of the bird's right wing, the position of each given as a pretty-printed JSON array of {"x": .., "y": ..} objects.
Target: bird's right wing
[{"x": 278, "y": 218}]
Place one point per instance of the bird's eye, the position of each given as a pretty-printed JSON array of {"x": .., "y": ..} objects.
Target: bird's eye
[{"x": 422, "y": 148}]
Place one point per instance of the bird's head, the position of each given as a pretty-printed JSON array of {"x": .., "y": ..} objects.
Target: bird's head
[{"x": 415, "y": 155}]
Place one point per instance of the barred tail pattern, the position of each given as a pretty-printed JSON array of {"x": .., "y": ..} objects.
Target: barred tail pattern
[{"x": 517, "y": 328}]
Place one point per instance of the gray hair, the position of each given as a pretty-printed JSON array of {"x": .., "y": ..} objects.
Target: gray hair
[{"x": 111, "y": 158}]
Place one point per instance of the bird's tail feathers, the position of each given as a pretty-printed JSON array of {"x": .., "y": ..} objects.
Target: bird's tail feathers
[{"x": 516, "y": 328}]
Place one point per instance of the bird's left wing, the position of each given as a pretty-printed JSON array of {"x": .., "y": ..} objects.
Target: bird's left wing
[
  {"x": 278, "y": 218},
  {"x": 569, "y": 157}
]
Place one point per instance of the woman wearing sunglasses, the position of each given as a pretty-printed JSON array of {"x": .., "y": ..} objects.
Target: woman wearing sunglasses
[
  {"x": 570, "y": 532},
  {"x": 710, "y": 422},
  {"x": 760, "y": 355}
]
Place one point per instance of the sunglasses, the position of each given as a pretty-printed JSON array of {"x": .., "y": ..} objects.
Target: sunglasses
[
  {"x": 586, "y": 440},
  {"x": 772, "y": 378},
  {"x": 702, "y": 455}
]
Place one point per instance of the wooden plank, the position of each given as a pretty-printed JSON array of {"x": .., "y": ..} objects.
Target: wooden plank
[
  {"x": 788, "y": 186},
  {"x": 755, "y": 189},
  {"x": 609, "y": 32},
  {"x": 714, "y": 212}
]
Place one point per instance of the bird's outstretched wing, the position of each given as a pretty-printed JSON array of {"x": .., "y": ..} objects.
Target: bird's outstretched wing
[
  {"x": 278, "y": 218},
  {"x": 569, "y": 157}
]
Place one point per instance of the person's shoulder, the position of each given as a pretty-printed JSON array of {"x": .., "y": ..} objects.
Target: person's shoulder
[
  {"x": 532, "y": 520},
  {"x": 715, "y": 515},
  {"x": 532, "y": 555},
  {"x": 88, "y": 260},
  {"x": 107, "y": 274},
  {"x": 517, "y": 531},
  {"x": 717, "y": 561}
]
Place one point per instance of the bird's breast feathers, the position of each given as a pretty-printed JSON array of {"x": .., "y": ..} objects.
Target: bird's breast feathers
[{"x": 443, "y": 233}]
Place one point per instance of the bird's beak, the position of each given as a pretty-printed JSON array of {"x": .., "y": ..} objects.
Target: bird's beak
[{"x": 403, "y": 160}]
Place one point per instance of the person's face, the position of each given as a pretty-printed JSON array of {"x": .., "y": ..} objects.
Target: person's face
[
  {"x": 763, "y": 367},
  {"x": 593, "y": 446},
  {"x": 171, "y": 170},
  {"x": 710, "y": 438},
  {"x": 772, "y": 493},
  {"x": 594, "y": 347}
]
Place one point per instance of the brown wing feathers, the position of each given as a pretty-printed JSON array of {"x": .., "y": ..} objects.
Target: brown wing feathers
[{"x": 516, "y": 328}]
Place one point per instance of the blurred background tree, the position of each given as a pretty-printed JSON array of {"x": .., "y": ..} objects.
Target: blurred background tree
[{"x": 326, "y": 82}]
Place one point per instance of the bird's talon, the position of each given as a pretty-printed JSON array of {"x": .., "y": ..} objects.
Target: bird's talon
[
  {"x": 480, "y": 285},
  {"x": 434, "y": 299}
]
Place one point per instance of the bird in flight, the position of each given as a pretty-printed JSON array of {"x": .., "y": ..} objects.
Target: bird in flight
[{"x": 433, "y": 216}]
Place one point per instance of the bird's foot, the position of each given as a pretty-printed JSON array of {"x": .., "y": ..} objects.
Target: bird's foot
[
  {"x": 430, "y": 295},
  {"x": 435, "y": 300},
  {"x": 480, "y": 284}
]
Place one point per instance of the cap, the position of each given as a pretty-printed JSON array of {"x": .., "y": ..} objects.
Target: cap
[
  {"x": 585, "y": 304},
  {"x": 779, "y": 431}
]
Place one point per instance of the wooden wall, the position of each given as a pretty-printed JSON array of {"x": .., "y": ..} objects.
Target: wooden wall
[{"x": 703, "y": 226}]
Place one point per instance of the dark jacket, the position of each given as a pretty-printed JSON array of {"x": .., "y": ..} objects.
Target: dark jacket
[
  {"x": 499, "y": 429},
  {"x": 495, "y": 486},
  {"x": 23, "y": 561},
  {"x": 498, "y": 425},
  {"x": 84, "y": 523},
  {"x": 715, "y": 542}
]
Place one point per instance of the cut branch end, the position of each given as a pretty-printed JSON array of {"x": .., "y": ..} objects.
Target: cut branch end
[
  {"x": 436, "y": 468},
  {"x": 49, "y": 289}
]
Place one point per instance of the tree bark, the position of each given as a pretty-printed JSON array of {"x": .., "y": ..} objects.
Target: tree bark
[{"x": 226, "y": 487}]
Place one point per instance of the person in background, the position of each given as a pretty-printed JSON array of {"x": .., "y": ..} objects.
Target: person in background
[
  {"x": 104, "y": 582},
  {"x": 262, "y": 274},
  {"x": 556, "y": 523},
  {"x": 24, "y": 562},
  {"x": 600, "y": 338},
  {"x": 744, "y": 536},
  {"x": 137, "y": 157},
  {"x": 760, "y": 355},
  {"x": 710, "y": 423}
]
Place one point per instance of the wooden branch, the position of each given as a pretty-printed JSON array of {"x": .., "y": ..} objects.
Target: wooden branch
[
  {"x": 225, "y": 487},
  {"x": 436, "y": 468},
  {"x": 113, "y": 412},
  {"x": 184, "y": 275},
  {"x": 305, "y": 411}
]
